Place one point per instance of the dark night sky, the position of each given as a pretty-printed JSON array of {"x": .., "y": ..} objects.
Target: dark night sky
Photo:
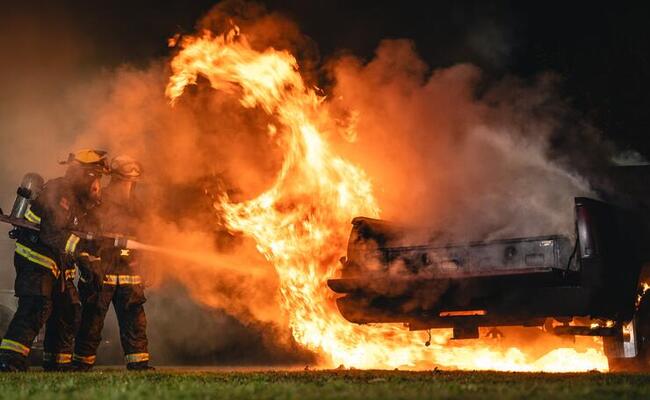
[{"x": 601, "y": 51}]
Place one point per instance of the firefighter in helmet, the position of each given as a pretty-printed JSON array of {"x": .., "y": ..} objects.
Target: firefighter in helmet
[
  {"x": 45, "y": 265},
  {"x": 122, "y": 285}
]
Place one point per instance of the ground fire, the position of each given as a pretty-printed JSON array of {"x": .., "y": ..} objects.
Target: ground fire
[{"x": 301, "y": 223}]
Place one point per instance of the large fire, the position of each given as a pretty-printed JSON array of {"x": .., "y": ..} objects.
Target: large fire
[{"x": 301, "y": 223}]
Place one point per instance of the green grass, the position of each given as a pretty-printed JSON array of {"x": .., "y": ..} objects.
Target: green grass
[{"x": 322, "y": 385}]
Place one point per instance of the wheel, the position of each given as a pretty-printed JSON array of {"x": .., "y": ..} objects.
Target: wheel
[
  {"x": 633, "y": 364},
  {"x": 640, "y": 333}
]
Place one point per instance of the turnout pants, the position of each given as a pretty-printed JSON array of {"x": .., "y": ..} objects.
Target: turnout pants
[
  {"x": 42, "y": 299},
  {"x": 126, "y": 292}
]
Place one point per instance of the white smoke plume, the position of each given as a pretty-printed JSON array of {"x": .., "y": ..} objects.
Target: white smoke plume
[{"x": 446, "y": 155}]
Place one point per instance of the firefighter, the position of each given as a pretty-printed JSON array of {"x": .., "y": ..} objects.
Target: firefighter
[
  {"x": 45, "y": 265},
  {"x": 122, "y": 285}
]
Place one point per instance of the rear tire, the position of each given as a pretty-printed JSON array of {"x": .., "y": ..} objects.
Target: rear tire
[
  {"x": 634, "y": 364},
  {"x": 640, "y": 363}
]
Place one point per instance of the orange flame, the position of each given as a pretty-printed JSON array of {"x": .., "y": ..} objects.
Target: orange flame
[
  {"x": 302, "y": 222},
  {"x": 643, "y": 289}
]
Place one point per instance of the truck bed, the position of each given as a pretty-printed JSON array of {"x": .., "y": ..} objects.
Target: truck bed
[
  {"x": 511, "y": 281},
  {"x": 535, "y": 257}
]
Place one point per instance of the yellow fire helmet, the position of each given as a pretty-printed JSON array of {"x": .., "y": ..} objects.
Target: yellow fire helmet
[
  {"x": 126, "y": 167},
  {"x": 88, "y": 159}
]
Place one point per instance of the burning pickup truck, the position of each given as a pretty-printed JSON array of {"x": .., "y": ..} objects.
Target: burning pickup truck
[{"x": 590, "y": 284}]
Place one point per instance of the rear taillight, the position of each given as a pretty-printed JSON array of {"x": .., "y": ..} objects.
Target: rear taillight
[{"x": 584, "y": 225}]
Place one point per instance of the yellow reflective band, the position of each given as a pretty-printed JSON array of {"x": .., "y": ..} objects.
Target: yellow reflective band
[
  {"x": 12, "y": 345},
  {"x": 125, "y": 252},
  {"x": 71, "y": 244},
  {"x": 129, "y": 279},
  {"x": 110, "y": 279},
  {"x": 37, "y": 258},
  {"x": 70, "y": 273},
  {"x": 136, "y": 357},
  {"x": 84, "y": 359},
  {"x": 31, "y": 217},
  {"x": 59, "y": 358}
]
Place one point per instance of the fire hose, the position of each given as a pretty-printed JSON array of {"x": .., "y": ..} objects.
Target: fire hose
[{"x": 119, "y": 240}]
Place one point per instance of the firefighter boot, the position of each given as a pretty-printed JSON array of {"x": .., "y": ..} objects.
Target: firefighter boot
[
  {"x": 12, "y": 363},
  {"x": 61, "y": 362},
  {"x": 81, "y": 366},
  {"x": 58, "y": 367},
  {"x": 140, "y": 366}
]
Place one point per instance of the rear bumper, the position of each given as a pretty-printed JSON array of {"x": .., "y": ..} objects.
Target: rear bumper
[{"x": 447, "y": 304}]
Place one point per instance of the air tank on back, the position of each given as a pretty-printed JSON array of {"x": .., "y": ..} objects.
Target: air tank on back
[{"x": 29, "y": 188}]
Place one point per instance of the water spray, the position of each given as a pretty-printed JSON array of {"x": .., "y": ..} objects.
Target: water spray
[{"x": 205, "y": 258}]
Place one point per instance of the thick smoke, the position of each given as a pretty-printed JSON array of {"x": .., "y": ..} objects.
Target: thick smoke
[
  {"x": 444, "y": 148},
  {"x": 449, "y": 150}
]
